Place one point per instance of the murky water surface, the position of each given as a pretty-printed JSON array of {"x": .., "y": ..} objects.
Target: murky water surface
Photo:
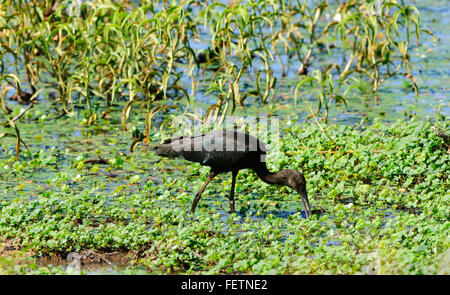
[{"x": 69, "y": 140}]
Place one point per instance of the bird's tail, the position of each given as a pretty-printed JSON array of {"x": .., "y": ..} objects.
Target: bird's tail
[{"x": 169, "y": 148}]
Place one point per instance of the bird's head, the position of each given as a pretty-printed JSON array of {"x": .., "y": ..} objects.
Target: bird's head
[{"x": 296, "y": 180}]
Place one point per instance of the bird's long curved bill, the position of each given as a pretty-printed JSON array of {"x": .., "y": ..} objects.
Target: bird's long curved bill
[{"x": 305, "y": 202}]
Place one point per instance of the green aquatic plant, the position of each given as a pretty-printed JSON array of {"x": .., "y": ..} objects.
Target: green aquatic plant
[
  {"x": 377, "y": 39},
  {"x": 104, "y": 72},
  {"x": 379, "y": 204},
  {"x": 148, "y": 54}
]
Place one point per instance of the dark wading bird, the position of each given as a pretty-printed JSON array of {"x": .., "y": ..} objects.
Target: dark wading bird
[{"x": 230, "y": 151}]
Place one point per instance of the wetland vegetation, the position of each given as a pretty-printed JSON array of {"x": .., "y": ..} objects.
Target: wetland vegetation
[{"x": 359, "y": 90}]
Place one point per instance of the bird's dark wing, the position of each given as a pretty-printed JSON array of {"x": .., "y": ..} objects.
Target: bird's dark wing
[
  {"x": 169, "y": 140},
  {"x": 222, "y": 150}
]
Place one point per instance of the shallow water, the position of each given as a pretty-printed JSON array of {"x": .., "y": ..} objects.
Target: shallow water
[
  {"x": 432, "y": 72},
  {"x": 69, "y": 139}
]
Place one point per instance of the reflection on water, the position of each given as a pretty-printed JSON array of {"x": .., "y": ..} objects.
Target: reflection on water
[{"x": 395, "y": 100}]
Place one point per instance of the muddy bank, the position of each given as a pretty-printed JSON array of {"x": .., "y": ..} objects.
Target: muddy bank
[{"x": 86, "y": 261}]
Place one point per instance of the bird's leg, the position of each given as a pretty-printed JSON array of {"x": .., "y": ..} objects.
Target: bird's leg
[
  {"x": 199, "y": 194},
  {"x": 233, "y": 183}
]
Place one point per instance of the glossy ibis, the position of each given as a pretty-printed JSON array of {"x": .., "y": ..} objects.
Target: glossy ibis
[{"x": 230, "y": 151}]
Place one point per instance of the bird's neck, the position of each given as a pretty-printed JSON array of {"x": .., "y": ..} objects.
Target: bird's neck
[{"x": 270, "y": 177}]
